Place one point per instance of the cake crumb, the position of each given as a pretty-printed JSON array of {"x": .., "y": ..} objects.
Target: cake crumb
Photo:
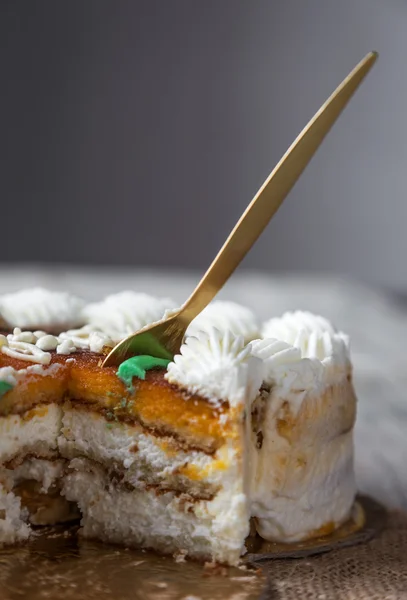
[
  {"x": 247, "y": 579},
  {"x": 180, "y": 556},
  {"x": 212, "y": 568}
]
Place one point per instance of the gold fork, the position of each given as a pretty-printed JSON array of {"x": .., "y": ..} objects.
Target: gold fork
[{"x": 164, "y": 339}]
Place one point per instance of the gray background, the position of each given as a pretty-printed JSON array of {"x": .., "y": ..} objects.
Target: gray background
[{"x": 135, "y": 132}]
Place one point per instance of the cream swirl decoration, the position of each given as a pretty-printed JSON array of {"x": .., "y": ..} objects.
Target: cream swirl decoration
[
  {"x": 38, "y": 308},
  {"x": 218, "y": 366},
  {"x": 121, "y": 314},
  {"x": 313, "y": 335},
  {"x": 274, "y": 354},
  {"x": 226, "y": 316},
  {"x": 284, "y": 366}
]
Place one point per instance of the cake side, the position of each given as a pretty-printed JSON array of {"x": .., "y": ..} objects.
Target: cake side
[{"x": 303, "y": 484}]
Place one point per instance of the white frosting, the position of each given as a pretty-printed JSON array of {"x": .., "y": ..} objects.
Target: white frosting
[
  {"x": 286, "y": 327},
  {"x": 122, "y": 314},
  {"x": 39, "y": 333},
  {"x": 283, "y": 367},
  {"x": 47, "y": 342},
  {"x": 97, "y": 341},
  {"x": 85, "y": 338},
  {"x": 312, "y": 334},
  {"x": 66, "y": 347},
  {"x": 40, "y": 308},
  {"x": 28, "y": 352},
  {"x": 226, "y": 316},
  {"x": 22, "y": 345},
  {"x": 27, "y": 337},
  {"x": 274, "y": 353},
  {"x": 305, "y": 356},
  {"x": 217, "y": 366},
  {"x": 36, "y": 346}
]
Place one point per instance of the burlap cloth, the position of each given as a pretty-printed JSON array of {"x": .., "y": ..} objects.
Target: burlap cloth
[{"x": 374, "y": 570}]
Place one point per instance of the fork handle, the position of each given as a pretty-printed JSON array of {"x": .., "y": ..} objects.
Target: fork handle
[{"x": 272, "y": 193}]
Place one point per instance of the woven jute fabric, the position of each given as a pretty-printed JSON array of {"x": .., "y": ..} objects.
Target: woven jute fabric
[{"x": 374, "y": 570}]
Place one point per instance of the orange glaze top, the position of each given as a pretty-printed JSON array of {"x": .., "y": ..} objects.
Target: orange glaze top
[{"x": 154, "y": 403}]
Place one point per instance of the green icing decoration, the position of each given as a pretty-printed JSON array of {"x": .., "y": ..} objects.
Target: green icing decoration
[
  {"x": 137, "y": 367},
  {"x": 5, "y": 387}
]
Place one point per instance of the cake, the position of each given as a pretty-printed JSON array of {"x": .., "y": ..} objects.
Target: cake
[{"x": 249, "y": 428}]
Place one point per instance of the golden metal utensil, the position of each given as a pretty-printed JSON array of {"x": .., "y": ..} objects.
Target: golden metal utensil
[{"x": 164, "y": 339}]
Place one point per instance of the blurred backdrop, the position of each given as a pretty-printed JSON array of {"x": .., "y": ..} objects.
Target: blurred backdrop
[{"x": 134, "y": 132}]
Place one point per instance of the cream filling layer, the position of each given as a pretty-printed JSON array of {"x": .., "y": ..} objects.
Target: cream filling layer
[
  {"x": 35, "y": 432},
  {"x": 206, "y": 514},
  {"x": 213, "y": 530},
  {"x": 13, "y": 519},
  {"x": 142, "y": 458}
]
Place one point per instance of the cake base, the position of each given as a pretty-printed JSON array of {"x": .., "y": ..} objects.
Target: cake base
[
  {"x": 367, "y": 519},
  {"x": 58, "y": 563}
]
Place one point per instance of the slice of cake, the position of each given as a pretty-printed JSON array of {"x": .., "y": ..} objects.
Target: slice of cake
[{"x": 248, "y": 424}]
